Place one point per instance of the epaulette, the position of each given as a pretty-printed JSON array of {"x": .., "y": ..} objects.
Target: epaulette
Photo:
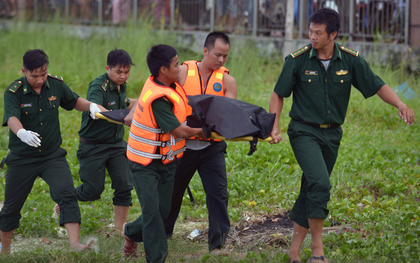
[
  {"x": 299, "y": 52},
  {"x": 56, "y": 77},
  {"x": 105, "y": 85},
  {"x": 350, "y": 51},
  {"x": 15, "y": 86}
]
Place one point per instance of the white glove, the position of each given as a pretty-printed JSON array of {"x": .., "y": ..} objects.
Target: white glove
[
  {"x": 29, "y": 137},
  {"x": 93, "y": 108}
]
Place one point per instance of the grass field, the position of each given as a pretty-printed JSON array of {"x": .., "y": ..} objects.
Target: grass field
[{"x": 376, "y": 179}]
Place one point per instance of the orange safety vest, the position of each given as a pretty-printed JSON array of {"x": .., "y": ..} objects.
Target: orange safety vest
[
  {"x": 194, "y": 86},
  {"x": 145, "y": 135}
]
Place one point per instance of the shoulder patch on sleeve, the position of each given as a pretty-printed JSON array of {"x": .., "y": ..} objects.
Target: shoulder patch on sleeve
[
  {"x": 15, "y": 86},
  {"x": 350, "y": 51},
  {"x": 105, "y": 85},
  {"x": 299, "y": 52},
  {"x": 56, "y": 77}
]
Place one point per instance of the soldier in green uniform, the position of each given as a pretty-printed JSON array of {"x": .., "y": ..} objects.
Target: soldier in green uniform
[
  {"x": 31, "y": 111},
  {"x": 156, "y": 142},
  {"x": 320, "y": 76},
  {"x": 102, "y": 143}
]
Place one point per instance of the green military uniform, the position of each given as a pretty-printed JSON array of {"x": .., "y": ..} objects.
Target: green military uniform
[
  {"x": 320, "y": 101},
  {"x": 102, "y": 146},
  {"x": 38, "y": 113},
  {"x": 154, "y": 183}
]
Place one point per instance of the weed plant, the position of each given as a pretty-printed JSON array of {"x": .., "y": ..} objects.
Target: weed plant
[{"x": 375, "y": 181}]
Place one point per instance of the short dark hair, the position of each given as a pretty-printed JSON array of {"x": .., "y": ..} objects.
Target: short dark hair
[
  {"x": 328, "y": 17},
  {"x": 160, "y": 56},
  {"x": 119, "y": 57},
  {"x": 35, "y": 58},
  {"x": 211, "y": 39}
]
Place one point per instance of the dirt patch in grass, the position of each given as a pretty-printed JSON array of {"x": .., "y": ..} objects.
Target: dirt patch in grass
[
  {"x": 257, "y": 232},
  {"x": 272, "y": 230},
  {"x": 253, "y": 232}
]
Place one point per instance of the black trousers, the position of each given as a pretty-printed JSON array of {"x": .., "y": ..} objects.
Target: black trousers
[{"x": 211, "y": 166}]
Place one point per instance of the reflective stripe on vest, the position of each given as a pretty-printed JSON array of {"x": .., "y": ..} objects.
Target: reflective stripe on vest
[
  {"x": 145, "y": 135},
  {"x": 171, "y": 142},
  {"x": 156, "y": 156}
]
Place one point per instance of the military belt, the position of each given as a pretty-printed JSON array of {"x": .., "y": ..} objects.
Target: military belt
[{"x": 323, "y": 126}]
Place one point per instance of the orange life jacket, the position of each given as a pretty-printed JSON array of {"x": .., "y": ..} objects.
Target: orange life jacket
[
  {"x": 194, "y": 86},
  {"x": 145, "y": 135},
  {"x": 194, "y": 83}
]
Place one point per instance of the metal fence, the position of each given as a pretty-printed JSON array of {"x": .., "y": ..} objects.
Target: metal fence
[{"x": 361, "y": 19}]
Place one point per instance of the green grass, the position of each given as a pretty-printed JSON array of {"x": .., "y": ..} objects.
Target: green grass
[{"x": 375, "y": 181}]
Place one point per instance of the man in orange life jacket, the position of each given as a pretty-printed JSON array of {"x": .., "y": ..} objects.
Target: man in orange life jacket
[
  {"x": 208, "y": 157},
  {"x": 156, "y": 140}
]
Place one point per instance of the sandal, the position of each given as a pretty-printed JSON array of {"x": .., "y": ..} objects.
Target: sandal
[
  {"x": 130, "y": 247},
  {"x": 317, "y": 258}
]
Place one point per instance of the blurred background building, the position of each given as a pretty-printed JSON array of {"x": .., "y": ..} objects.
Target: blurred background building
[{"x": 394, "y": 21}]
